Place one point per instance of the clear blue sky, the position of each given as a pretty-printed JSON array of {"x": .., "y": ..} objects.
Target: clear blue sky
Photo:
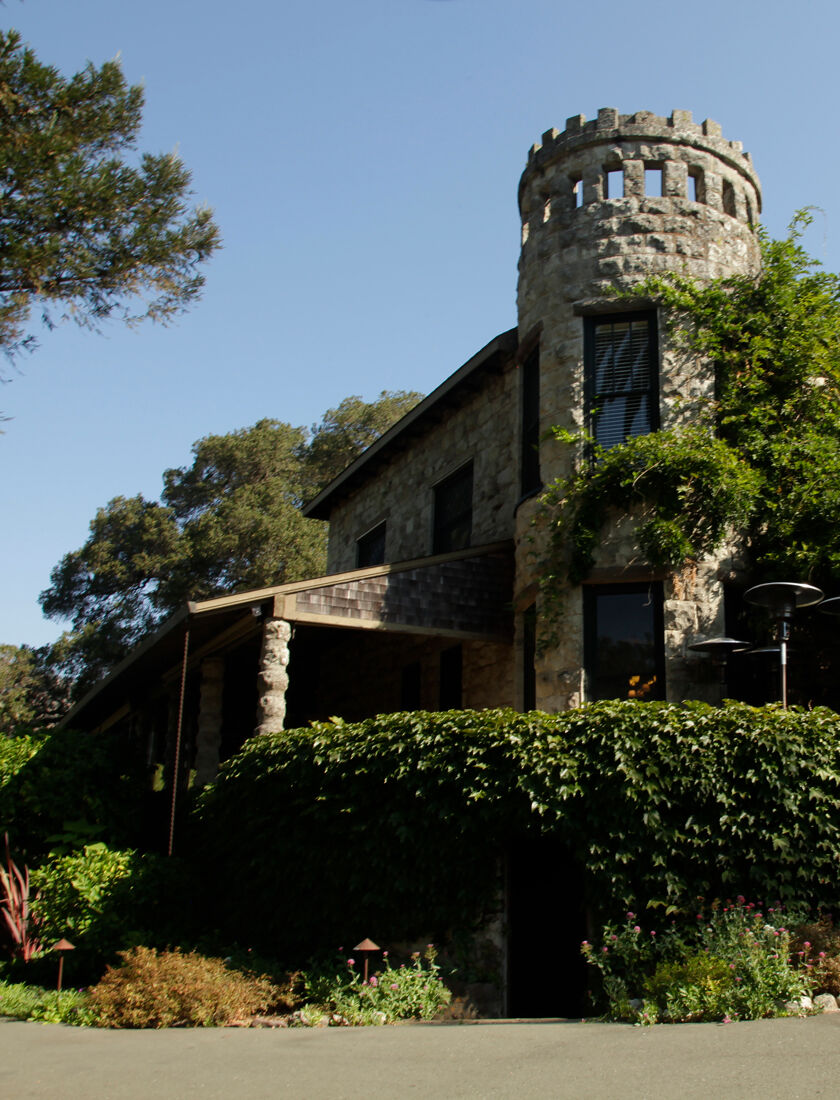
[{"x": 362, "y": 158}]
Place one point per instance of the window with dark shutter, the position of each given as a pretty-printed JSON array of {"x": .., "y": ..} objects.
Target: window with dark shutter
[{"x": 622, "y": 379}]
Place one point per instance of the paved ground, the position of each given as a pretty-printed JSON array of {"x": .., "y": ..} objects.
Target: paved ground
[{"x": 767, "y": 1059}]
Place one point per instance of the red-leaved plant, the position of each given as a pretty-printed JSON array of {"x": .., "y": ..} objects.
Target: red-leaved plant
[{"x": 14, "y": 904}]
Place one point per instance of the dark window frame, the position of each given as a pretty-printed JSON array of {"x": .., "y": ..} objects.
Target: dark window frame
[
  {"x": 595, "y": 396},
  {"x": 368, "y": 552},
  {"x": 449, "y": 521},
  {"x": 654, "y": 592},
  {"x": 529, "y": 425}
]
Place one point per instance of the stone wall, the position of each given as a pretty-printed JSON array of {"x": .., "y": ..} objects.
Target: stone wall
[
  {"x": 483, "y": 429},
  {"x": 575, "y": 256},
  {"x": 360, "y": 673}
]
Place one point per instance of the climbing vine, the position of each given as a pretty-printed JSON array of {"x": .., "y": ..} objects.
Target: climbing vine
[{"x": 763, "y": 463}]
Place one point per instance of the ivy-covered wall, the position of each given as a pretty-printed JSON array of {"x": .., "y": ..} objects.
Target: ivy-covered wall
[{"x": 397, "y": 824}]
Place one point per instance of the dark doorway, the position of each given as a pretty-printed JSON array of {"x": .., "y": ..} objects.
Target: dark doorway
[{"x": 546, "y": 925}]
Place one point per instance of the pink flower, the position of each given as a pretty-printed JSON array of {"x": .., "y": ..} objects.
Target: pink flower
[
  {"x": 351, "y": 962},
  {"x": 374, "y": 981},
  {"x": 605, "y": 950},
  {"x": 727, "y": 1019},
  {"x": 394, "y": 985},
  {"x": 653, "y": 933},
  {"x": 807, "y": 944},
  {"x": 384, "y": 954},
  {"x": 822, "y": 954},
  {"x": 613, "y": 938},
  {"x": 637, "y": 929},
  {"x": 631, "y": 916}
]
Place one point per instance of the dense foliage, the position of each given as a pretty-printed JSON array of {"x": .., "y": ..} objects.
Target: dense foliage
[
  {"x": 82, "y": 229},
  {"x": 764, "y": 461},
  {"x": 398, "y": 823},
  {"x": 229, "y": 522},
  {"x": 32, "y": 695},
  {"x": 61, "y": 789}
]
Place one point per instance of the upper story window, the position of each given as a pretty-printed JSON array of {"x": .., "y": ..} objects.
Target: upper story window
[
  {"x": 529, "y": 468},
  {"x": 453, "y": 511},
  {"x": 370, "y": 548},
  {"x": 621, "y": 376},
  {"x": 624, "y": 641}
]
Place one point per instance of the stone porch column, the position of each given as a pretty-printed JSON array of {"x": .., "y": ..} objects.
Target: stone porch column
[
  {"x": 273, "y": 681},
  {"x": 209, "y": 736}
]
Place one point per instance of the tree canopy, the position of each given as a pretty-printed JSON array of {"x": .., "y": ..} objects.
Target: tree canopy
[
  {"x": 229, "y": 522},
  {"x": 763, "y": 462},
  {"x": 85, "y": 234}
]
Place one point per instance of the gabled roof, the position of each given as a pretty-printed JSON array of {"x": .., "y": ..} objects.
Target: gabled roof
[{"x": 454, "y": 389}]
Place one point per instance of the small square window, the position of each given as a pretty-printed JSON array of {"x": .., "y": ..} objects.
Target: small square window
[
  {"x": 453, "y": 512},
  {"x": 614, "y": 183}
]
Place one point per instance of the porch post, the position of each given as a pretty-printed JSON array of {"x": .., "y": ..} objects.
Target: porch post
[
  {"x": 209, "y": 736},
  {"x": 273, "y": 678}
]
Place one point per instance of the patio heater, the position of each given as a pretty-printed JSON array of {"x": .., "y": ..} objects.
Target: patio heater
[
  {"x": 782, "y": 599},
  {"x": 719, "y": 649}
]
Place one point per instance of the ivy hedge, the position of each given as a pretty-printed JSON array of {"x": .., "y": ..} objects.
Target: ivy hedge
[{"x": 395, "y": 826}]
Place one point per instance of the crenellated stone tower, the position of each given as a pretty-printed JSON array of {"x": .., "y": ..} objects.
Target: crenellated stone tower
[{"x": 604, "y": 204}]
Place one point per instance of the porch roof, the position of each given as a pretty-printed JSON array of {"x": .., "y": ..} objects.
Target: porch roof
[{"x": 465, "y": 595}]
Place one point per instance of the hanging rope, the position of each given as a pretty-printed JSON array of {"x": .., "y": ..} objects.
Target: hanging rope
[{"x": 176, "y": 765}]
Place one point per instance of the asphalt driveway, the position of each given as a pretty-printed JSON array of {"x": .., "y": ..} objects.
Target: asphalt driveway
[{"x": 767, "y": 1058}]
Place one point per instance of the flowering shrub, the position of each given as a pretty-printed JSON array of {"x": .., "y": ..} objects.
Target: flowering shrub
[
  {"x": 732, "y": 963},
  {"x": 816, "y": 947},
  {"x": 413, "y": 991}
]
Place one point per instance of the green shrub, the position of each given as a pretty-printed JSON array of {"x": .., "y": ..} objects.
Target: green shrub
[
  {"x": 27, "y": 1002},
  {"x": 174, "y": 989},
  {"x": 413, "y": 991},
  {"x": 104, "y": 900},
  {"x": 400, "y": 821},
  {"x": 700, "y": 987}
]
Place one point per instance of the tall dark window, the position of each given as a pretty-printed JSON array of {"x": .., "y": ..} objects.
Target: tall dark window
[
  {"x": 622, "y": 383},
  {"x": 529, "y": 468},
  {"x": 370, "y": 548},
  {"x": 410, "y": 686},
  {"x": 453, "y": 512},
  {"x": 529, "y": 658},
  {"x": 451, "y": 678},
  {"x": 624, "y": 641}
]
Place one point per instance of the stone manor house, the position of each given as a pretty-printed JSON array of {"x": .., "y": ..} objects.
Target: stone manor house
[{"x": 432, "y": 598}]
